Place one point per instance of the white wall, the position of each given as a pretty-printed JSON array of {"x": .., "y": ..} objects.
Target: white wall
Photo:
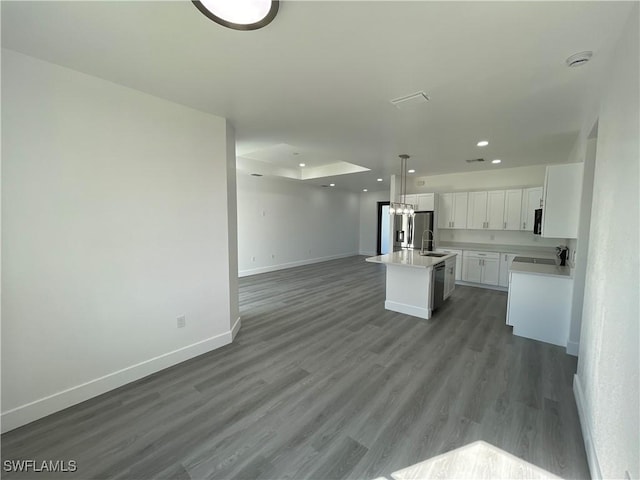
[
  {"x": 284, "y": 223},
  {"x": 498, "y": 178},
  {"x": 114, "y": 222},
  {"x": 369, "y": 221},
  {"x": 607, "y": 382}
]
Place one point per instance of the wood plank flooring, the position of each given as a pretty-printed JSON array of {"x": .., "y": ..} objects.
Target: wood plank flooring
[{"x": 322, "y": 382}]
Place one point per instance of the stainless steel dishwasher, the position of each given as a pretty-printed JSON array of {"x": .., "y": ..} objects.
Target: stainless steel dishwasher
[{"x": 438, "y": 285}]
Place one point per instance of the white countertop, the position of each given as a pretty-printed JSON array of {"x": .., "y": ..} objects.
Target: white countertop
[
  {"x": 409, "y": 258},
  {"x": 541, "y": 269}
]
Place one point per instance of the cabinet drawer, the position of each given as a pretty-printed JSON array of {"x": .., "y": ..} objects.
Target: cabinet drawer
[{"x": 476, "y": 254}]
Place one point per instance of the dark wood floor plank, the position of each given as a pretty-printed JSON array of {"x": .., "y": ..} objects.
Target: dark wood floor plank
[{"x": 323, "y": 382}]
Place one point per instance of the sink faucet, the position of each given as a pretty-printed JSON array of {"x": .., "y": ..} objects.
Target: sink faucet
[{"x": 427, "y": 231}]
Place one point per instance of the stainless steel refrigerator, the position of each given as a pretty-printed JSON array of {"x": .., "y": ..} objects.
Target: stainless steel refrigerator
[{"x": 409, "y": 230}]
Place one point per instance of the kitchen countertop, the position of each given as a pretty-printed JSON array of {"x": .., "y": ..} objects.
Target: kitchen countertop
[
  {"x": 541, "y": 269},
  {"x": 409, "y": 258},
  {"x": 524, "y": 250}
]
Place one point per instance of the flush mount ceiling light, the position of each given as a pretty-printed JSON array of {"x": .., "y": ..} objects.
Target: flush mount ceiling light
[
  {"x": 302, "y": 164},
  {"x": 402, "y": 207},
  {"x": 483, "y": 143},
  {"x": 497, "y": 160},
  {"x": 379, "y": 179},
  {"x": 332, "y": 184},
  {"x": 411, "y": 170},
  {"x": 365, "y": 190},
  {"x": 239, "y": 14}
]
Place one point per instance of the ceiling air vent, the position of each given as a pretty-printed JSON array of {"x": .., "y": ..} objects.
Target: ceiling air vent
[
  {"x": 475, "y": 160},
  {"x": 256, "y": 174},
  {"x": 410, "y": 100},
  {"x": 578, "y": 59}
]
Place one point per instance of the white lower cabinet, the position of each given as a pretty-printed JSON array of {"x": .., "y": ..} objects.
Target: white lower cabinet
[
  {"x": 539, "y": 307},
  {"x": 458, "y": 260},
  {"x": 505, "y": 264},
  {"x": 480, "y": 267}
]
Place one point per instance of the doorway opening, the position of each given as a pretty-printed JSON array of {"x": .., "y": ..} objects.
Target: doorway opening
[{"x": 384, "y": 228}]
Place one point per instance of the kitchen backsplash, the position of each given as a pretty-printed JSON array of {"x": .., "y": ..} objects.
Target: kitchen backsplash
[{"x": 498, "y": 237}]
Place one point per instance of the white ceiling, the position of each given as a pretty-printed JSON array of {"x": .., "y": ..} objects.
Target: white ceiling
[{"x": 319, "y": 78}]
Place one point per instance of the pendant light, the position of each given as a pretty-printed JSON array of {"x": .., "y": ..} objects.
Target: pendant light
[{"x": 402, "y": 207}]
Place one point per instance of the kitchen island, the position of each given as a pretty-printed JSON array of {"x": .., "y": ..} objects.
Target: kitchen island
[{"x": 411, "y": 281}]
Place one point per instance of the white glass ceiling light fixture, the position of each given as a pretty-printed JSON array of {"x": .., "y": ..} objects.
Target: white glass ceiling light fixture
[
  {"x": 239, "y": 14},
  {"x": 402, "y": 207}
]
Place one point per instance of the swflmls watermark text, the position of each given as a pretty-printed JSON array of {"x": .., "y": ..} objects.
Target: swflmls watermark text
[{"x": 37, "y": 466}]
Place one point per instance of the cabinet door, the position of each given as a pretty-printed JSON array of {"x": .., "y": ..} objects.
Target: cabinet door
[
  {"x": 426, "y": 201},
  {"x": 562, "y": 196},
  {"x": 495, "y": 210},
  {"x": 459, "y": 210},
  {"x": 512, "y": 209},
  {"x": 411, "y": 199},
  {"x": 490, "y": 271},
  {"x": 472, "y": 270},
  {"x": 505, "y": 264},
  {"x": 445, "y": 210},
  {"x": 477, "y": 212},
  {"x": 531, "y": 200},
  {"x": 459, "y": 266}
]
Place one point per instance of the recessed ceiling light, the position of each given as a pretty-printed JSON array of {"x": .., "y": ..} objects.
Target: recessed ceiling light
[
  {"x": 497, "y": 160},
  {"x": 239, "y": 15},
  {"x": 483, "y": 143},
  {"x": 379, "y": 179},
  {"x": 302, "y": 164},
  {"x": 365, "y": 190},
  {"x": 332, "y": 184},
  {"x": 411, "y": 170}
]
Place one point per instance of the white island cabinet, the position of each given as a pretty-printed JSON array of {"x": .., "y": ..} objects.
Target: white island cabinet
[
  {"x": 539, "y": 302},
  {"x": 410, "y": 281}
]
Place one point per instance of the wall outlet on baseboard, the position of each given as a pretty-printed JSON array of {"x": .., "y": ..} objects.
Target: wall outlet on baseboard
[{"x": 181, "y": 321}]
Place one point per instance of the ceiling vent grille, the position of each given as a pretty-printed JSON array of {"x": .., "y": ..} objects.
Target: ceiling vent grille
[
  {"x": 475, "y": 160},
  {"x": 409, "y": 101}
]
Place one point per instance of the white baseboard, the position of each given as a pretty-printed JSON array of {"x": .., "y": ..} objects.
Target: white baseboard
[
  {"x": 35, "y": 410},
  {"x": 299, "y": 263},
  {"x": 407, "y": 309},
  {"x": 236, "y": 328},
  {"x": 573, "y": 348},
  {"x": 592, "y": 457},
  {"x": 368, "y": 254}
]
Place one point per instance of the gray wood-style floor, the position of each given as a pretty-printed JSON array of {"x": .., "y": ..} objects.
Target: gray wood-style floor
[{"x": 322, "y": 382}]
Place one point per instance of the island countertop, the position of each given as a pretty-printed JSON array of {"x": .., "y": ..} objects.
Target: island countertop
[{"x": 409, "y": 258}]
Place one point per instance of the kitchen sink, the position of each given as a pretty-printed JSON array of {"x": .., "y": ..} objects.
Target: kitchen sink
[{"x": 432, "y": 254}]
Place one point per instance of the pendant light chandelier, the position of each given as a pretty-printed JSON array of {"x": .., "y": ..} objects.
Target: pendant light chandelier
[{"x": 402, "y": 207}]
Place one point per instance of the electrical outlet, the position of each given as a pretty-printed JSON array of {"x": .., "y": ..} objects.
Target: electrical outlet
[
  {"x": 181, "y": 321},
  {"x": 264, "y": 213},
  {"x": 253, "y": 259},
  {"x": 492, "y": 237},
  {"x": 273, "y": 255}
]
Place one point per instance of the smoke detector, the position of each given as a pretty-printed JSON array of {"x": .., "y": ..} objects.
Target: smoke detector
[{"x": 578, "y": 59}]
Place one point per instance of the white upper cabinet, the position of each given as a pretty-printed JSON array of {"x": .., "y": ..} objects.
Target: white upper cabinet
[
  {"x": 452, "y": 210},
  {"x": 411, "y": 199},
  {"x": 426, "y": 201},
  {"x": 531, "y": 200},
  {"x": 562, "y": 196},
  {"x": 486, "y": 210},
  {"x": 512, "y": 209},
  {"x": 495, "y": 210},
  {"x": 477, "y": 213}
]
